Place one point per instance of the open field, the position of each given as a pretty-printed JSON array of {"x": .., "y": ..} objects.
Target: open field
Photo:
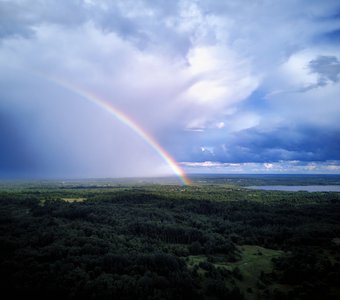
[
  {"x": 142, "y": 240},
  {"x": 73, "y": 199}
]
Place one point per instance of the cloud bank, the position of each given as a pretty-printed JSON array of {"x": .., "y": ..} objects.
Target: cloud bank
[{"x": 254, "y": 83}]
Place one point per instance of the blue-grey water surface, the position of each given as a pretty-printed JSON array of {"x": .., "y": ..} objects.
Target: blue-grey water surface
[{"x": 297, "y": 188}]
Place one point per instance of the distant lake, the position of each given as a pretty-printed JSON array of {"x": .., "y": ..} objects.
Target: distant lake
[{"x": 297, "y": 188}]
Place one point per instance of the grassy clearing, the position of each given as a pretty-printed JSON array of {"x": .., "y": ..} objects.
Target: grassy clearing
[
  {"x": 254, "y": 263},
  {"x": 71, "y": 200},
  {"x": 255, "y": 260}
]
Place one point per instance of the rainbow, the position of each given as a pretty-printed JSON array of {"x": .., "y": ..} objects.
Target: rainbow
[{"x": 125, "y": 119}]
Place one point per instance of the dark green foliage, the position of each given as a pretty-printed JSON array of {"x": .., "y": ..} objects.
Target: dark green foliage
[
  {"x": 310, "y": 271},
  {"x": 134, "y": 243}
]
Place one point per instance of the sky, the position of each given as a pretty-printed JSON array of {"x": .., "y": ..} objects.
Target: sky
[{"x": 229, "y": 86}]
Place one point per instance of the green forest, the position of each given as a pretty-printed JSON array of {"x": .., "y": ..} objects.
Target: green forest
[{"x": 214, "y": 239}]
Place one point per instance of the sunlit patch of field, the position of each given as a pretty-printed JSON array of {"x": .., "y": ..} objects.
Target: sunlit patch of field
[
  {"x": 71, "y": 200},
  {"x": 255, "y": 259},
  {"x": 250, "y": 269},
  {"x": 255, "y": 262}
]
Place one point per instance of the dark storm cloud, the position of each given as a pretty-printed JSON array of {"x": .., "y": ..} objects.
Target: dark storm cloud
[
  {"x": 281, "y": 144},
  {"x": 327, "y": 68},
  {"x": 308, "y": 144},
  {"x": 15, "y": 155}
]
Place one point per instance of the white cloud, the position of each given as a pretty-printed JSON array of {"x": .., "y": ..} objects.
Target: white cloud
[
  {"x": 220, "y": 125},
  {"x": 177, "y": 65},
  {"x": 294, "y": 74},
  {"x": 333, "y": 167},
  {"x": 281, "y": 167},
  {"x": 242, "y": 121},
  {"x": 268, "y": 166}
]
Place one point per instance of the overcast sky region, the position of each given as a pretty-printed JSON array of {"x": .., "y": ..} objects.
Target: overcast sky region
[{"x": 228, "y": 86}]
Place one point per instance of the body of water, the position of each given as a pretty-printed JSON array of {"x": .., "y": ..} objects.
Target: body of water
[{"x": 297, "y": 188}]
